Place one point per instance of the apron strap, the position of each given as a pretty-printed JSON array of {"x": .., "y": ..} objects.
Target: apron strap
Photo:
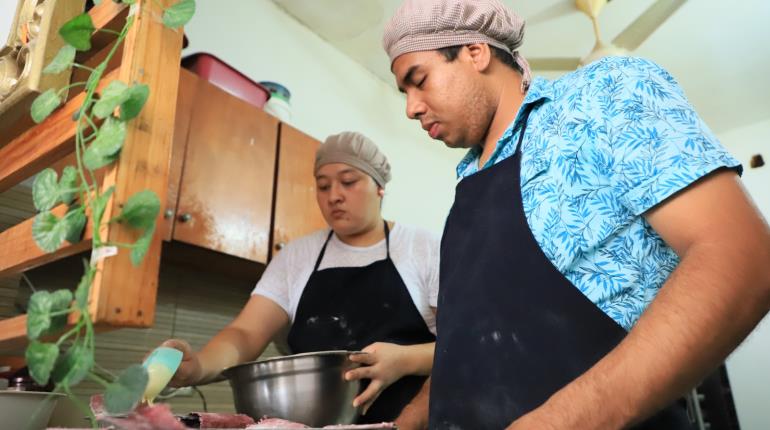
[
  {"x": 387, "y": 239},
  {"x": 323, "y": 251}
]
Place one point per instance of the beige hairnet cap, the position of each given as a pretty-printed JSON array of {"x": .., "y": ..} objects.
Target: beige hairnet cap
[
  {"x": 425, "y": 25},
  {"x": 356, "y": 150}
]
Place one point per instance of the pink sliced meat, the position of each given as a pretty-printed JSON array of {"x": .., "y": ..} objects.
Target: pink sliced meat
[
  {"x": 160, "y": 416},
  {"x": 156, "y": 417},
  {"x": 276, "y": 423},
  {"x": 97, "y": 405},
  {"x": 210, "y": 420},
  {"x": 361, "y": 426}
]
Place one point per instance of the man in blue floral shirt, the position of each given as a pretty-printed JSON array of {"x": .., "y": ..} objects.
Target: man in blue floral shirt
[{"x": 601, "y": 256}]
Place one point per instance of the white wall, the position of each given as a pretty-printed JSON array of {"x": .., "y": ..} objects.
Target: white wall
[
  {"x": 7, "y": 11},
  {"x": 332, "y": 93},
  {"x": 749, "y": 366}
]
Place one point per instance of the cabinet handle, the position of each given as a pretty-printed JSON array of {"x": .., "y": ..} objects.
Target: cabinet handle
[
  {"x": 279, "y": 246},
  {"x": 184, "y": 217},
  {"x": 168, "y": 214}
]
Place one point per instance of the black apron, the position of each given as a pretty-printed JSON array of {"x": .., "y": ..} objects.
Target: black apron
[
  {"x": 512, "y": 330},
  {"x": 349, "y": 308}
]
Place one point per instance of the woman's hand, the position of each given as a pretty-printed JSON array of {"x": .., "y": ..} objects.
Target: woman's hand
[
  {"x": 384, "y": 364},
  {"x": 189, "y": 372}
]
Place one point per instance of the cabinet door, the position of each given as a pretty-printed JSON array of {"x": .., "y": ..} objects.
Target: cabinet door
[
  {"x": 188, "y": 85},
  {"x": 225, "y": 196},
  {"x": 296, "y": 209}
]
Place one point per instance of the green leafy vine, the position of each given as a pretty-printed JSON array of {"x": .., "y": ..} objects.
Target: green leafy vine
[{"x": 69, "y": 359}]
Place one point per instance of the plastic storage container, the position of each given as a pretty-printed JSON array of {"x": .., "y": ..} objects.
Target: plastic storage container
[
  {"x": 222, "y": 75},
  {"x": 279, "y": 104}
]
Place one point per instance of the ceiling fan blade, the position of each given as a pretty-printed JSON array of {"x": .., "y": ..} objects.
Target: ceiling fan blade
[
  {"x": 557, "y": 10},
  {"x": 554, "y": 63},
  {"x": 639, "y": 30}
]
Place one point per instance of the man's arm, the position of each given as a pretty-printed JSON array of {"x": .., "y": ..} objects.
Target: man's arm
[
  {"x": 715, "y": 297},
  {"x": 414, "y": 416}
]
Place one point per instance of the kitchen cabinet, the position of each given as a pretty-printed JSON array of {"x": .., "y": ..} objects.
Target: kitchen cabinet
[
  {"x": 240, "y": 182},
  {"x": 296, "y": 210},
  {"x": 226, "y": 190},
  {"x": 188, "y": 86}
]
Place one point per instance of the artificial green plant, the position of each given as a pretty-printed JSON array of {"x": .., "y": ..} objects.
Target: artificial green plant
[{"x": 100, "y": 133}]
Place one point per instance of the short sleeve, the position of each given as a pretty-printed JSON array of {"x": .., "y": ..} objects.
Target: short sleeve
[
  {"x": 433, "y": 268},
  {"x": 275, "y": 282},
  {"x": 659, "y": 143}
]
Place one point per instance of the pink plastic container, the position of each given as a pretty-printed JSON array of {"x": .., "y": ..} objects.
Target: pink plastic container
[{"x": 222, "y": 75}]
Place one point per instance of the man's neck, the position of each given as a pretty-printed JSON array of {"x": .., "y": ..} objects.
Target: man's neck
[{"x": 508, "y": 107}]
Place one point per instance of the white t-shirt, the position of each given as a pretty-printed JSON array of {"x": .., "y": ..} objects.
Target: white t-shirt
[{"x": 414, "y": 251}]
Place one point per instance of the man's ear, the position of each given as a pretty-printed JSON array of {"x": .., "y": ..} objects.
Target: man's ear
[
  {"x": 380, "y": 191},
  {"x": 480, "y": 55}
]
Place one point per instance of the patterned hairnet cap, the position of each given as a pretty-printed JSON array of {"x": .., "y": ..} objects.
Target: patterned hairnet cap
[
  {"x": 356, "y": 150},
  {"x": 425, "y": 25}
]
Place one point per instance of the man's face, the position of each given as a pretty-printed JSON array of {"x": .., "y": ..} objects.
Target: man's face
[
  {"x": 449, "y": 98},
  {"x": 349, "y": 198}
]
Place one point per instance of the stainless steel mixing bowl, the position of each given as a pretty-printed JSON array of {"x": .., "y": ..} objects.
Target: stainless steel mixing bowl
[{"x": 307, "y": 388}]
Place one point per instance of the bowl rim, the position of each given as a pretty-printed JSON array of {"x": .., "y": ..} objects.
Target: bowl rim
[{"x": 292, "y": 356}]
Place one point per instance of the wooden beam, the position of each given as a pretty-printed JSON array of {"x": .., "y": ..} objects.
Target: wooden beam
[
  {"x": 43, "y": 144},
  {"x": 123, "y": 294}
]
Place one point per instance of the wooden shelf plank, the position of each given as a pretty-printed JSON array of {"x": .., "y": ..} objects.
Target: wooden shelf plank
[
  {"x": 108, "y": 15},
  {"x": 13, "y": 333},
  {"x": 43, "y": 144},
  {"x": 20, "y": 252}
]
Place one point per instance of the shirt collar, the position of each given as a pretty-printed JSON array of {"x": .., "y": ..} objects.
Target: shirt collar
[{"x": 539, "y": 89}]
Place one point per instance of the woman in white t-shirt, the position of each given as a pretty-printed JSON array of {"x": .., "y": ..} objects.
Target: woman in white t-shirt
[{"x": 364, "y": 284}]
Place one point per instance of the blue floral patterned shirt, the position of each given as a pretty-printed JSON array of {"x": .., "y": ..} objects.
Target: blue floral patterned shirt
[{"x": 603, "y": 145}]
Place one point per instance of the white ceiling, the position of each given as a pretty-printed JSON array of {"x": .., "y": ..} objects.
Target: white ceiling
[{"x": 719, "y": 50}]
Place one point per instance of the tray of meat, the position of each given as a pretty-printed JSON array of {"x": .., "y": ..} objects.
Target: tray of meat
[
  {"x": 279, "y": 424},
  {"x": 211, "y": 420},
  {"x": 160, "y": 417}
]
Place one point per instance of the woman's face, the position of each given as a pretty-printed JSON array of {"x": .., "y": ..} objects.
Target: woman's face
[{"x": 349, "y": 198}]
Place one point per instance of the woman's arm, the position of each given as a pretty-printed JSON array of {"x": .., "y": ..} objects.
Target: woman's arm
[{"x": 244, "y": 339}]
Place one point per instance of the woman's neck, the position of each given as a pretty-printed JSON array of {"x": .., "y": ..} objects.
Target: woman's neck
[{"x": 371, "y": 235}]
